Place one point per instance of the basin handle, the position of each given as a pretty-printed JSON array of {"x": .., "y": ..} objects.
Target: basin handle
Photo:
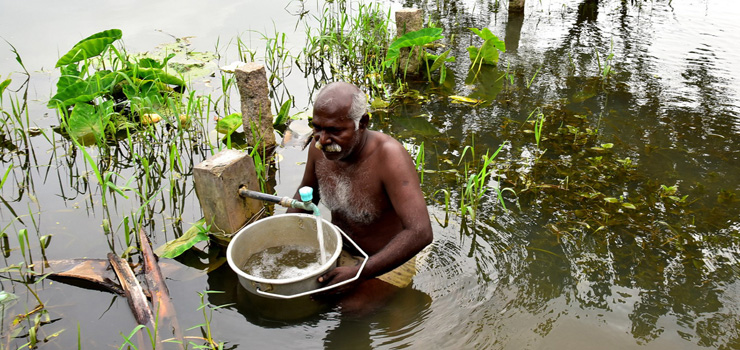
[{"x": 323, "y": 289}]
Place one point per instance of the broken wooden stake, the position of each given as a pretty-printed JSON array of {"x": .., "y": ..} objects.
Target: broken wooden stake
[
  {"x": 132, "y": 289},
  {"x": 157, "y": 287}
]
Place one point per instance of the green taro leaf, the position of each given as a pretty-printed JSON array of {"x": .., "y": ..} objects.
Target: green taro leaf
[
  {"x": 487, "y": 54},
  {"x": 80, "y": 91},
  {"x": 416, "y": 38},
  {"x": 229, "y": 124},
  {"x": 70, "y": 74},
  {"x": 155, "y": 74},
  {"x": 486, "y": 35},
  {"x": 147, "y": 62},
  {"x": 90, "y": 47},
  {"x": 85, "y": 125},
  {"x": 174, "y": 248}
]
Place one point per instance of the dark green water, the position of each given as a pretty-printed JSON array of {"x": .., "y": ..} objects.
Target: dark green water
[{"x": 623, "y": 231}]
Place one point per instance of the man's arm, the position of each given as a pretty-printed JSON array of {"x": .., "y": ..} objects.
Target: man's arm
[
  {"x": 309, "y": 178},
  {"x": 401, "y": 183}
]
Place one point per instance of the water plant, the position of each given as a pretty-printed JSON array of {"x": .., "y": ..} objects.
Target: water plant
[
  {"x": 348, "y": 45},
  {"x": 538, "y": 123},
  {"x": 101, "y": 89},
  {"x": 488, "y": 52},
  {"x": 205, "y": 327},
  {"x": 476, "y": 182},
  {"x": 606, "y": 69}
]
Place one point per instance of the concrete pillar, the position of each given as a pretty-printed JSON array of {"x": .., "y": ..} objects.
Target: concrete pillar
[
  {"x": 409, "y": 20},
  {"x": 516, "y": 6},
  {"x": 217, "y": 181},
  {"x": 251, "y": 80}
]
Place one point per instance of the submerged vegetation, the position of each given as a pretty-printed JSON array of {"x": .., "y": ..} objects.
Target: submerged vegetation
[{"x": 525, "y": 162}]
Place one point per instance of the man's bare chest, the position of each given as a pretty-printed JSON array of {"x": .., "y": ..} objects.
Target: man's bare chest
[{"x": 355, "y": 192}]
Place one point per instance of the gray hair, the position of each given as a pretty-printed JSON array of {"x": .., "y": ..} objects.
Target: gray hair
[
  {"x": 359, "y": 107},
  {"x": 356, "y": 110}
]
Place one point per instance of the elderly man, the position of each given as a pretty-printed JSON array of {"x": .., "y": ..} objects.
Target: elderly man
[{"x": 368, "y": 181}]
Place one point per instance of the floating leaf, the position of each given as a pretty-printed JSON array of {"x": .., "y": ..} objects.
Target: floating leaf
[
  {"x": 379, "y": 103},
  {"x": 607, "y": 145},
  {"x": 90, "y": 47},
  {"x": 150, "y": 118},
  {"x": 611, "y": 200},
  {"x": 148, "y": 62},
  {"x": 629, "y": 205},
  {"x": 465, "y": 99},
  {"x": 174, "y": 248}
]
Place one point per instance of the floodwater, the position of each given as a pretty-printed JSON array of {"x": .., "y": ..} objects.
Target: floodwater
[{"x": 623, "y": 232}]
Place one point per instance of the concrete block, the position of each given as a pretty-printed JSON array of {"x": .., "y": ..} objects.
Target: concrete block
[
  {"x": 251, "y": 79},
  {"x": 409, "y": 20},
  {"x": 217, "y": 181}
]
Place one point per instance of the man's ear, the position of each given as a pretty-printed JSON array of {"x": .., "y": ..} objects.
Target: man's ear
[{"x": 364, "y": 121}]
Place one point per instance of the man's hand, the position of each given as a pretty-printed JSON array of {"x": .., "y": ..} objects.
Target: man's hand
[{"x": 339, "y": 274}]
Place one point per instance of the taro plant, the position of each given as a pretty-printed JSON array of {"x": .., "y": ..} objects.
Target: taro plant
[
  {"x": 101, "y": 89},
  {"x": 488, "y": 52},
  {"x": 417, "y": 40}
]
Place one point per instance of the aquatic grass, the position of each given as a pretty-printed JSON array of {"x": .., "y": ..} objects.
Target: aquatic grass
[
  {"x": 348, "y": 45},
  {"x": 205, "y": 327},
  {"x": 606, "y": 70},
  {"x": 538, "y": 123},
  {"x": 529, "y": 83},
  {"x": 475, "y": 183}
]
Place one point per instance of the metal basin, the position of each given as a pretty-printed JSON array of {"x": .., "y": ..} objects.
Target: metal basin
[{"x": 281, "y": 230}]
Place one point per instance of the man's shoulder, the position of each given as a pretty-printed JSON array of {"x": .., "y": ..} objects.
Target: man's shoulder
[{"x": 387, "y": 144}]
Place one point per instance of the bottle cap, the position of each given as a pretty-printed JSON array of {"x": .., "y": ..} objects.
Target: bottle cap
[{"x": 306, "y": 193}]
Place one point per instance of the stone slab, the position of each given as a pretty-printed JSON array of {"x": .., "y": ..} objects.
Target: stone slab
[{"x": 217, "y": 181}]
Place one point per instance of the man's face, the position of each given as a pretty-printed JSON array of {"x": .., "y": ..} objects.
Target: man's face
[{"x": 335, "y": 134}]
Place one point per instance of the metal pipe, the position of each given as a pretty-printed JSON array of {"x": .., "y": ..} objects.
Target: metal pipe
[
  {"x": 283, "y": 201},
  {"x": 246, "y": 193}
]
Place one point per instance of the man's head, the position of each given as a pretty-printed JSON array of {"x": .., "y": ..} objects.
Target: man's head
[
  {"x": 339, "y": 119},
  {"x": 339, "y": 95}
]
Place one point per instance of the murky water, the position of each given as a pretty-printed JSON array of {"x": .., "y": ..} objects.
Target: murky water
[
  {"x": 283, "y": 262},
  {"x": 623, "y": 232}
]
